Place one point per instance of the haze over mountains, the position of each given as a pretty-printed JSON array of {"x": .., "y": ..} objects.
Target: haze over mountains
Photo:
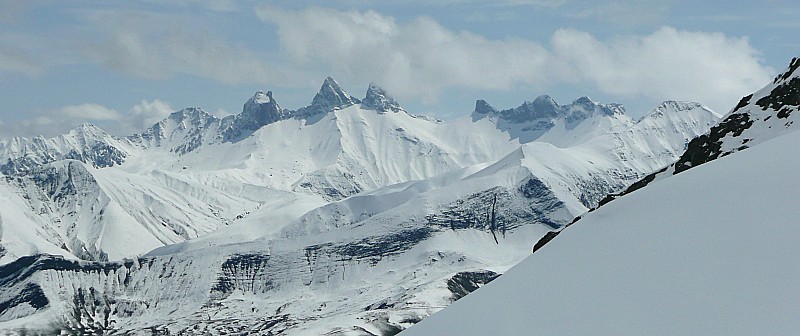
[{"x": 345, "y": 217}]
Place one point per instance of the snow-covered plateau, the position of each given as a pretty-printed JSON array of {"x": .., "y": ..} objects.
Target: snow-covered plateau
[{"x": 345, "y": 217}]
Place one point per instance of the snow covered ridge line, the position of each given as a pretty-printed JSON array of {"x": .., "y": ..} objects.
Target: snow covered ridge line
[
  {"x": 758, "y": 117},
  {"x": 94, "y": 146}
]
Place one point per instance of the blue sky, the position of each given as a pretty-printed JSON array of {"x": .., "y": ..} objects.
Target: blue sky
[{"x": 126, "y": 65}]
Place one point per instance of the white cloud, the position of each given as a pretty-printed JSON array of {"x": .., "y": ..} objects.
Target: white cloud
[
  {"x": 141, "y": 116},
  {"x": 669, "y": 64},
  {"x": 420, "y": 58},
  {"x": 59, "y": 121},
  {"x": 88, "y": 111},
  {"x": 36, "y": 125}
]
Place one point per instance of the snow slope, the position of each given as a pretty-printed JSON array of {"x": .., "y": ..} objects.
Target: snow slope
[{"x": 707, "y": 252}]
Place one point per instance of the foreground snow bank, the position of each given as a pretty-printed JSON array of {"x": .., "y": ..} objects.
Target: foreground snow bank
[{"x": 712, "y": 251}]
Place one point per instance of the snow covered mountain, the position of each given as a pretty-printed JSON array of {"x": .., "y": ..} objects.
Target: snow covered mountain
[
  {"x": 708, "y": 251},
  {"x": 343, "y": 217},
  {"x": 761, "y": 116}
]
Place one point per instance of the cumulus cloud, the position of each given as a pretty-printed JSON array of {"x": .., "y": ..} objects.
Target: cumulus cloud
[
  {"x": 59, "y": 121},
  {"x": 669, "y": 64},
  {"x": 88, "y": 111},
  {"x": 421, "y": 58},
  {"x": 144, "y": 115},
  {"x": 418, "y": 58}
]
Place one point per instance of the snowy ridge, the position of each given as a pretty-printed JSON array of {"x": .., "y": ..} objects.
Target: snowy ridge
[
  {"x": 768, "y": 113},
  {"x": 562, "y": 125},
  {"x": 86, "y": 143}
]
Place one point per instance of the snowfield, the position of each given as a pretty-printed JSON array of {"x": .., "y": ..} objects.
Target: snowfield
[{"x": 710, "y": 251}]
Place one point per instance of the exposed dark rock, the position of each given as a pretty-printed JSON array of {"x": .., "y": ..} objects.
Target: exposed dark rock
[
  {"x": 785, "y": 94},
  {"x": 707, "y": 147},
  {"x": 245, "y": 272},
  {"x": 544, "y": 240},
  {"x": 464, "y": 283},
  {"x": 330, "y": 97},
  {"x": 482, "y": 107},
  {"x": 377, "y": 99}
]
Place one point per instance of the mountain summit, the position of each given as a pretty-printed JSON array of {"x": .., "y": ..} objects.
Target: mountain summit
[
  {"x": 534, "y": 119},
  {"x": 260, "y": 110},
  {"x": 377, "y": 99},
  {"x": 330, "y": 97}
]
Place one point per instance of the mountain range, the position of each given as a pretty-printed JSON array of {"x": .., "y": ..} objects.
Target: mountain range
[{"x": 345, "y": 217}]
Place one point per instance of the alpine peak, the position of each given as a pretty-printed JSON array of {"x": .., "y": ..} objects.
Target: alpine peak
[
  {"x": 585, "y": 106},
  {"x": 85, "y": 129},
  {"x": 790, "y": 72},
  {"x": 258, "y": 111},
  {"x": 379, "y": 100},
  {"x": 545, "y": 108},
  {"x": 674, "y": 105},
  {"x": 482, "y": 107},
  {"x": 330, "y": 97},
  {"x": 262, "y": 98}
]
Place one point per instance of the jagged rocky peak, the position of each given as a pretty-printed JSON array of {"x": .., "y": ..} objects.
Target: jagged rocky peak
[
  {"x": 260, "y": 97},
  {"x": 790, "y": 72},
  {"x": 482, "y": 107},
  {"x": 785, "y": 95},
  {"x": 331, "y": 94},
  {"x": 261, "y": 109},
  {"x": 545, "y": 108},
  {"x": 377, "y": 99},
  {"x": 592, "y": 106},
  {"x": 543, "y": 105},
  {"x": 330, "y": 97},
  {"x": 584, "y": 107},
  {"x": 192, "y": 113}
]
